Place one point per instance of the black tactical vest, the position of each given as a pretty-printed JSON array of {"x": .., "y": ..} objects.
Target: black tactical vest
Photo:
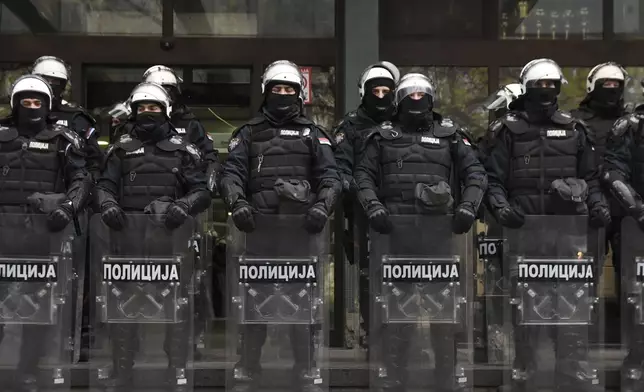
[
  {"x": 408, "y": 159},
  {"x": 65, "y": 116},
  {"x": 598, "y": 130},
  {"x": 635, "y": 124},
  {"x": 540, "y": 154},
  {"x": 29, "y": 165},
  {"x": 278, "y": 152},
  {"x": 150, "y": 171}
]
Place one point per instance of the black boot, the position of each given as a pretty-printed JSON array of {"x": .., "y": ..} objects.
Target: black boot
[
  {"x": 632, "y": 374},
  {"x": 573, "y": 372},
  {"x": 176, "y": 344},
  {"x": 307, "y": 377},
  {"x": 247, "y": 374},
  {"x": 524, "y": 366},
  {"x": 32, "y": 348},
  {"x": 394, "y": 343},
  {"x": 449, "y": 376},
  {"x": 124, "y": 345}
]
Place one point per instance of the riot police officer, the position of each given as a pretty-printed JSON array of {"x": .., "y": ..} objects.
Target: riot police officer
[
  {"x": 69, "y": 114},
  {"x": 169, "y": 172},
  {"x": 622, "y": 175},
  {"x": 275, "y": 156},
  {"x": 376, "y": 88},
  {"x": 410, "y": 163},
  {"x": 532, "y": 145},
  {"x": 44, "y": 172}
]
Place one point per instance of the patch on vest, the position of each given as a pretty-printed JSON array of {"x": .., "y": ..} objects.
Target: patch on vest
[
  {"x": 140, "y": 151},
  {"x": 324, "y": 140},
  {"x": 446, "y": 122},
  {"x": 62, "y": 122},
  {"x": 39, "y": 145},
  {"x": 234, "y": 142},
  {"x": 511, "y": 117},
  {"x": 288, "y": 132},
  {"x": 430, "y": 140},
  {"x": 467, "y": 142},
  {"x": 306, "y": 132},
  {"x": 386, "y": 126},
  {"x": 125, "y": 139},
  {"x": 339, "y": 137},
  {"x": 565, "y": 114},
  {"x": 181, "y": 130},
  {"x": 556, "y": 133},
  {"x": 193, "y": 151},
  {"x": 176, "y": 140}
]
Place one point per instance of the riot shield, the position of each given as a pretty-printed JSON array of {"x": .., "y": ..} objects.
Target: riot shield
[
  {"x": 36, "y": 312},
  {"x": 552, "y": 265},
  {"x": 143, "y": 311},
  {"x": 278, "y": 317},
  {"x": 421, "y": 315},
  {"x": 631, "y": 301}
]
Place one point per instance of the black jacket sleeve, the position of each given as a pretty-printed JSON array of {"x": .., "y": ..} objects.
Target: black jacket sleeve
[
  {"x": 109, "y": 181},
  {"x": 325, "y": 171},
  {"x": 587, "y": 167},
  {"x": 77, "y": 179},
  {"x": 497, "y": 165},
  {"x": 345, "y": 153},
  {"x": 235, "y": 170},
  {"x": 367, "y": 174},
  {"x": 618, "y": 156},
  {"x": 193, "y": 178},
  {"x": 471, "y": 173}
]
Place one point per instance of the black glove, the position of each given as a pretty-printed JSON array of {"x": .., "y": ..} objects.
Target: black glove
[
  {"x": 379, "y": 219},
  {"x": 176, "y": 214},
  {"x": 464, "y": 217},
  {"x": 59, "y": 218},
  {"x": 599, "y": 216},
  {"x": 243, "y": 216},
  {"x": 316, "y": 218},
  {"x": 113, "y": 216},
  {"x": 512, "y": 217}
]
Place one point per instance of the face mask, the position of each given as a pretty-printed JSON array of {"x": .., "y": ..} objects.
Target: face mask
[
  {"x": 378, "y": 108},
  {"x": 150, "y": 121},
  {"x": 281, "y": 106},
  {"x": 32, "y": 120},
  {"x": 541, "y": 103},
  {"x": 608, "y": 96},
  {"x": 414, "y": 113}
]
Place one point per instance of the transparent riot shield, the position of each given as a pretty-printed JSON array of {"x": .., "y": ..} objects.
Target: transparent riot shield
[
  {"x": 277, "y": 323},
  {"x": 143, "y": 311},
  {"x": 36, "y": 312},
  {"x": 421, "y": 315},
  {"x": 631, "y": 302},
  {"x": 552, "y": 266}
]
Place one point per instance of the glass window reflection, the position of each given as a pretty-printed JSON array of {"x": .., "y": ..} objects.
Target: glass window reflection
[
  {"x": 91, "y": 17},
  {"x": 459, "y": 92},
  {"x": 627, "y": 15},
  {"x": 265, "y": 18},
  {"x": 551, "y": 19}
]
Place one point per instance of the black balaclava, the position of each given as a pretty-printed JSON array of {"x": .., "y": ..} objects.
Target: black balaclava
[
  {"x": 378, "y": 109},
  {"x": 31, "y": 121},
  {"x": 541, "y": 103},
  {"x": 606, "y": 102},
  {"x": 57, "y": 87},
  {"x": 150, "y": 126},
  {"x": 415, "y": 113},
  {"x": 281, "y": 108}
]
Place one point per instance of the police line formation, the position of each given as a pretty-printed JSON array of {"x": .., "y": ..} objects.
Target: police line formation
[{"x": 116, "y": 237}]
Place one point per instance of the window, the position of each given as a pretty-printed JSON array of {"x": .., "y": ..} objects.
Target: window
[{"x": 551, "y": 19}]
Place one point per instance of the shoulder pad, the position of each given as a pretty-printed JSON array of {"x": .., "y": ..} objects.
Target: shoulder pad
[
  {"x": 445, "y": 127},
  {"x": 623, "y": 124},
  {"x": 8, "y": 133},
  {"x": 174, "y": 143},
  {"x": 387, "y": 131},
  {"x": 256, "y": 120},
  {"x": 72, "y": 137},
  {"x": 77, "y": 110},
  {"x": 302, "y": 120},
  {"x": 127, "y": 143},
  {"x": 514, "y": 123},
  {"x": 323, "y": 131},
  {"x": 352, "y": 114},
  {"x": 582, "y": 114},
  {"x": 495, "y": 127},
  {"x": 562, "y": 117},
  {"x": 193, "y": 151}
]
